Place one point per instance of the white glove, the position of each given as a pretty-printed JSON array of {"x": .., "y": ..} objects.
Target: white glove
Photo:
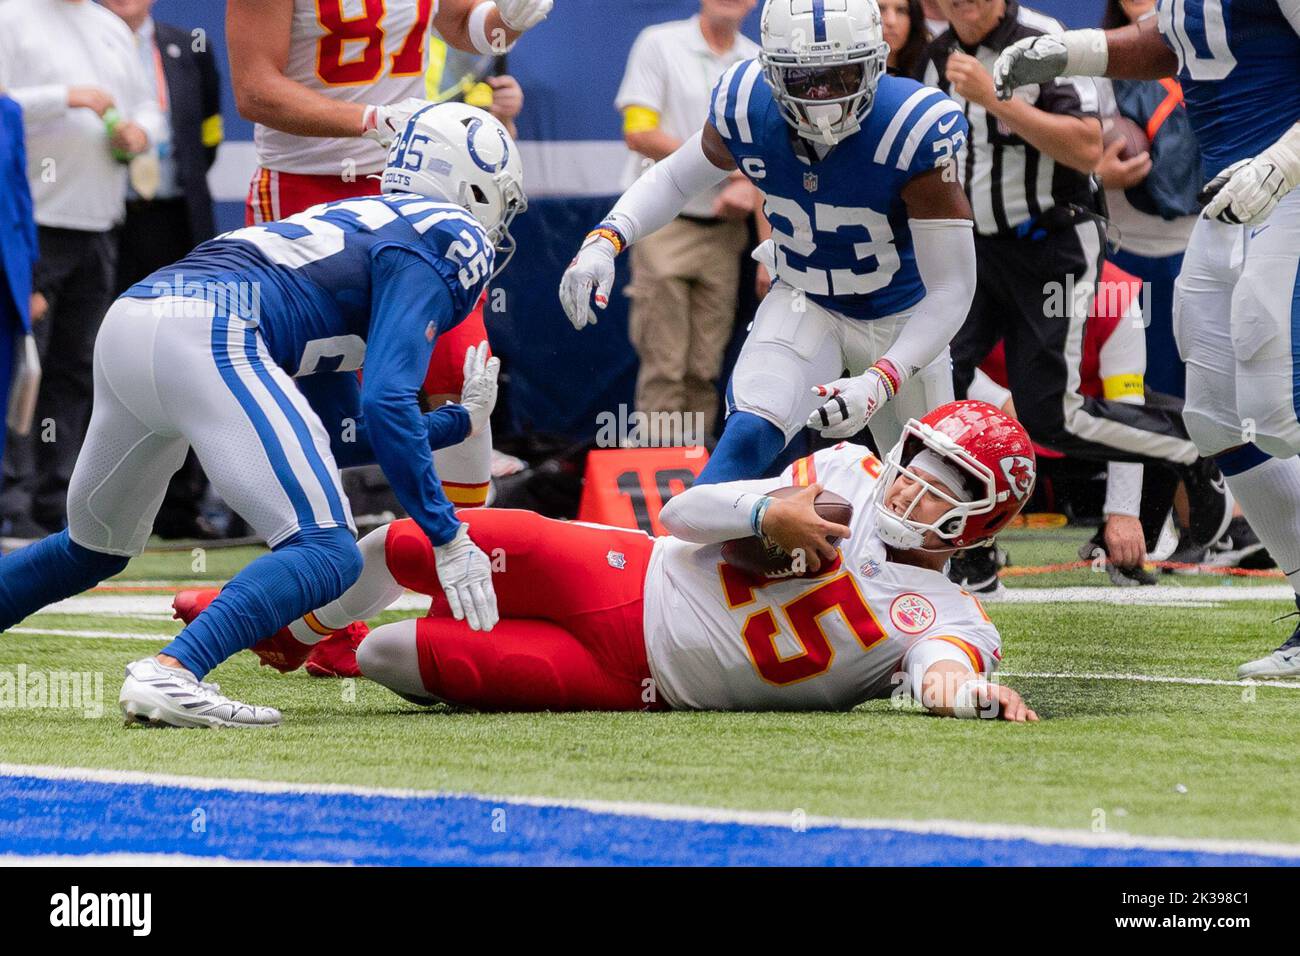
[
  {"x": 383, "y": 124},
  {"x": 478, "y": 391},
  {"x": 521, "y": 15},
  {"x": 591, "y": 268},
  {"x": 465, "y": 573},
  {"x": 1248, "y": 190},
  {"x": 852, "y": 402},
  {"x": 1039, "y": 59}
]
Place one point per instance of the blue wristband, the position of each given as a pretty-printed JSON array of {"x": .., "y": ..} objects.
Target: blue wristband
[{"x": 757, "y": 513}]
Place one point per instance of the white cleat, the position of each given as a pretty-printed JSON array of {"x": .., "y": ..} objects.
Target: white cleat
[
  {"x": 1283, "y": 662},
  {"x": 172, "y": 697}
]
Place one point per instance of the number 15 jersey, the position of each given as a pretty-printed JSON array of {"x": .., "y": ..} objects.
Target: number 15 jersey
[
  {"x": 720, "y": 639},
  {"x": 839, "y": 224}
]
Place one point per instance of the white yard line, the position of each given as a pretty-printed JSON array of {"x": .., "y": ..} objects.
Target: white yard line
[
  {"x": 159, "y": 606},
  {"x": 1163, "y": 595},
  {"x": 667, "y": 811},
  {"x": 1156, "y": 679},
  {"x": 115, "y": 635}
]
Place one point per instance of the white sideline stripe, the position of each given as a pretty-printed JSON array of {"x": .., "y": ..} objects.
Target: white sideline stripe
[
  {"x": 560, "y": 168},
  {"x": 140, "y": 605},
  {"x": 1155, "y": 679},
  {"x": 1171, "y": 595},
  {"x": 1161, "y": 595},
  {"x": 147, "y": 859},
  {"x": 115, "y": 635},
  {"x": 684, "y": 813}
]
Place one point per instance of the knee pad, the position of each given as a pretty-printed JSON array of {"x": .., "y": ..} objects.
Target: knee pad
[
  {"x": 767, "y": 383},
  {"x": 1209, "y": 435}
]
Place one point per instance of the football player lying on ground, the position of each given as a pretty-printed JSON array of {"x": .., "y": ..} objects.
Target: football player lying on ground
[
  {"x": 201, "y": 354},
  {"x": 599, "y": 618}
]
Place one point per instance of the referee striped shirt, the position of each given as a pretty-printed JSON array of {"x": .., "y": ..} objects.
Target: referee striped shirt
[{"x": 1008, "y": 181}]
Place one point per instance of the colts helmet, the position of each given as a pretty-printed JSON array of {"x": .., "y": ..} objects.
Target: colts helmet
[
  {"x": 995, "y": 459},
  {"x": 463, "y": 155},
  {"x": 823, "y": 59}
]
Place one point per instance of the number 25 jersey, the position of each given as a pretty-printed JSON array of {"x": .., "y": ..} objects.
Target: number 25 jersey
[
  {"x": 840, "y": 224},
  {"x": 720, "y": 639}
]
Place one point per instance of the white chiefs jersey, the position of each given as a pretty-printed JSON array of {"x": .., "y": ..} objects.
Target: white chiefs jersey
[
  {"x": 719, "y": 639},
  {"x": 360, "y": 51}
]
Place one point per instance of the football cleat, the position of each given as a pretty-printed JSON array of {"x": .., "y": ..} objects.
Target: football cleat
[
  {"x": 188, "y": 605},
  {"x": 1283, "y": 662},
  {"x": 336, "y": 655},
  {"x": 282, "y": 650},
  {"x": 976, "y": 570},
  {"x": 164, "y": 696},
  {"x": 1240, "y": 548}
]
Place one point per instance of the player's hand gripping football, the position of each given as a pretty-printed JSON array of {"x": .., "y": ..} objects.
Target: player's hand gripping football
[
  {"x": 1032, "y": 60},
  {"x": 383, "y": 124},
  {"x": 850, "y": 402},
  {"x": 479, "y": 392},
  {"x": 592, "y": 268},
  {"x": 1248, "y": 190},
  {"x": 465, "y": 574},
  {"x": 794, "y": 524},
  {"x": 521, "y": 15}
]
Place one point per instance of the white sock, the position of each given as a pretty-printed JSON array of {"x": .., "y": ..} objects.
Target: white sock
[
  {"x": 1269, "y": 494},
  {"x": 466, "y": 469},
  {"x": 374, "y": 591}
]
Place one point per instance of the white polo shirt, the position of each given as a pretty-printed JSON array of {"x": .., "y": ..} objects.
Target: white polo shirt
[
  {"x": 672, "y": 71},
  {"x": 47, "y": 46}
]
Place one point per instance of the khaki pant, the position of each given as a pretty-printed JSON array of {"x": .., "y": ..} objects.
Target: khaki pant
[{"x": 685, "y": 279}]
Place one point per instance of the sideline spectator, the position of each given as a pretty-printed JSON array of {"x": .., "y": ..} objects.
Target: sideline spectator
[
  {"x": 19, "y": 306},
  {"x": 1040, "y": 243},
  {"x": 685, "y": 277},
  {"x": 906, "y": 33},
  {"x": 161, "y": 228},
  {"x": 1152, "y": 196},
  {"x": 87, "y": 110}
]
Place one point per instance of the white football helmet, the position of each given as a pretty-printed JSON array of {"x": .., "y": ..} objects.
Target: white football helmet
[
  {"x": 823, "y": 59},
  {"x": 463, "y": 155}
]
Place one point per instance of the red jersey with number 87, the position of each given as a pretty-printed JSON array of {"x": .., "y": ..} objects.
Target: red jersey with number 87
[{"x": 359, "y": 51}]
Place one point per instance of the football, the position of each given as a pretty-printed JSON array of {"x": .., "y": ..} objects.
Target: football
[
  {"x": 1133, "y": 136},
  {"x": 755, "y": 554}
]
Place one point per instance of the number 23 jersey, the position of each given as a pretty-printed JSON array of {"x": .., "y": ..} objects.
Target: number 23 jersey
[
  {"x": 719, "y": 639},
  {"x": 839, "y": 225}
]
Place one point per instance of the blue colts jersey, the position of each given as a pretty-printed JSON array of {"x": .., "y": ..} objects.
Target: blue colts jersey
[
  {"x": 1239, "y": 66},
  {"x": 306, "y": 280},
  {"x": 839, "y": 224}
]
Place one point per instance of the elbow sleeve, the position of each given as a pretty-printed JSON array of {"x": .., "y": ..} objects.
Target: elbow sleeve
[
  {"x": 945, "y": 259},
  {"x": 656, "y": 198}
]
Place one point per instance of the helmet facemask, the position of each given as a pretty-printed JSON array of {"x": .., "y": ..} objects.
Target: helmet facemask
[
  {"x": 909, "y": 533},
  {"x": 825, "y": 96}
]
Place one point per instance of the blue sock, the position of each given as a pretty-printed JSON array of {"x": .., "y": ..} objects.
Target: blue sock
[
  {"x": 747, "y": 446},
  {"x": 306, "y": 571},
  {"x": 50, "y": 570}
]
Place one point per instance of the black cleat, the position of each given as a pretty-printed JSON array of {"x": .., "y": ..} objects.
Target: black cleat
[
  {"x": 976, "y": 570},
  {"x": 1209, "y": 502}
]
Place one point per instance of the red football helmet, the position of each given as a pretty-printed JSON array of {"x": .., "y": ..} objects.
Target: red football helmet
[{"x": 985, "y": 449}]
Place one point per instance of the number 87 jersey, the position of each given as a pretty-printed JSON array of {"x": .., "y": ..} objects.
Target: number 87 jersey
[{"x": 839, "y": 223}]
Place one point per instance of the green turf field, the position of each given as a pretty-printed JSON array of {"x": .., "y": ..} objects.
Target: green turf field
[{"x": 1132, "y": 755}]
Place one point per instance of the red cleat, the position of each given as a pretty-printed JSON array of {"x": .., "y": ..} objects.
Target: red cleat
[
  {"x": 284, "y": 652},
  {"x": 336, "y": 655},
  {"x": 190, "y": 604}
]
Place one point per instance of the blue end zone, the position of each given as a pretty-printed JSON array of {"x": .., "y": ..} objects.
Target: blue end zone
[{"x": 40, "y": 816}]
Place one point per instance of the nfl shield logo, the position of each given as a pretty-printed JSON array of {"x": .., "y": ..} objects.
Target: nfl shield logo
[{"x": 810, "y": 182}]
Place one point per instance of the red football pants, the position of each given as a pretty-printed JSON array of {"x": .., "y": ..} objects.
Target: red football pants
[
  {"x": 570, "y": 597},
  {"x": 275, "y": 195}
]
